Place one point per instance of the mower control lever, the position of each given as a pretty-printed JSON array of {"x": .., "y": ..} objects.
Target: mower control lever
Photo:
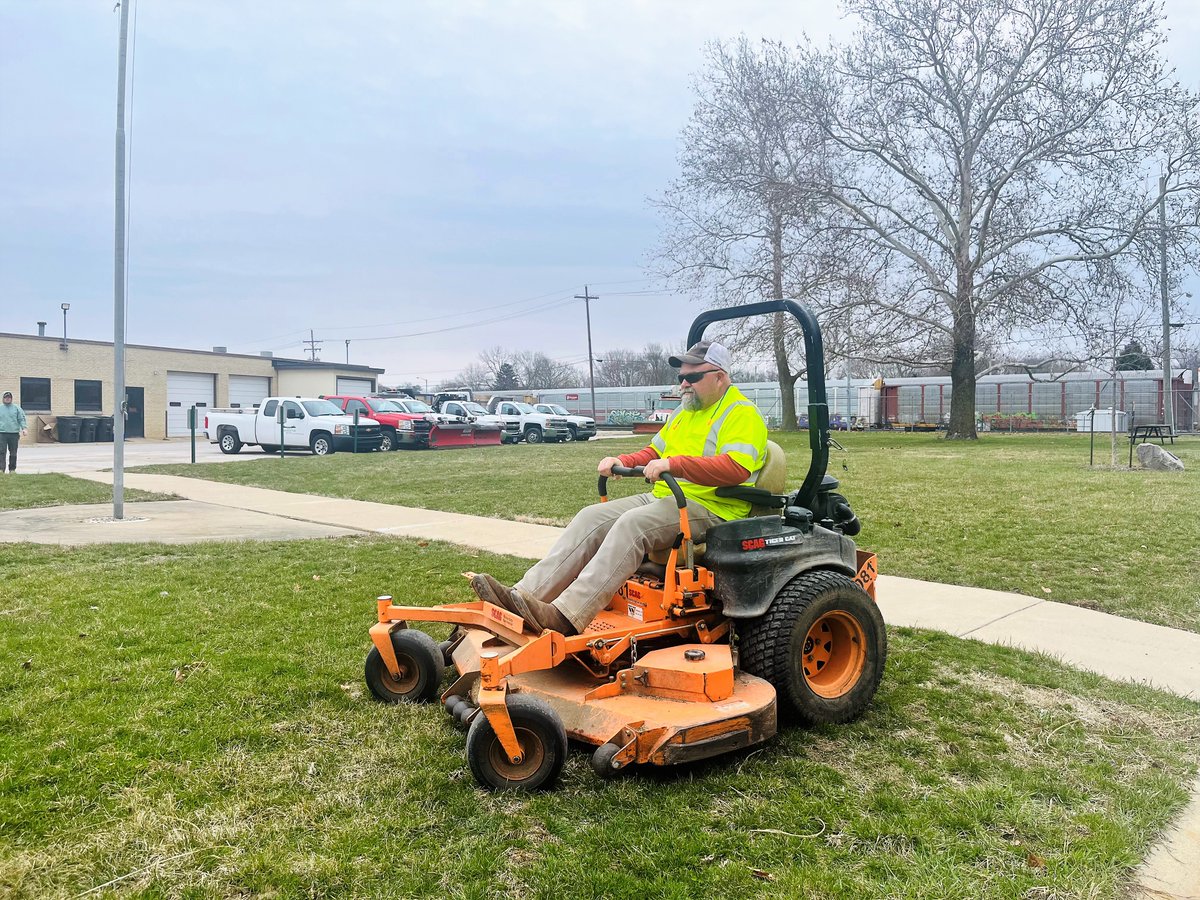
[{"x": 667, "y": 477}]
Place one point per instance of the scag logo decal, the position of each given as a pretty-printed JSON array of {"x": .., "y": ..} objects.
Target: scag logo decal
[
  {"x": 760, "y": 543},
  {"x": 754, "y": 544}
]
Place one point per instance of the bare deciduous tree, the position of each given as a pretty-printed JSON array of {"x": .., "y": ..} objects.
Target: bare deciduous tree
[
  {"x": 993, "y": 150},
  {"x": 739, "y": 228}
]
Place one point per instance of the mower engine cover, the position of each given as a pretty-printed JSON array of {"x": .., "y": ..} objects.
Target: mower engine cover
[{"x": 752, "y": 559}]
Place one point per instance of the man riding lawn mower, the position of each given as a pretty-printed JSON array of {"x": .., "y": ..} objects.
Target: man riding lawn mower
[{"x": 635, "y": 638}]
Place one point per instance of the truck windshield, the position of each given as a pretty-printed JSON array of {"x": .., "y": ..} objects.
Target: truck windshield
[
  {"x": 321, "y": 408},
  {"x": 386, "y": 406},
  {"x": 475, "y": 409},
  {"x": 555, "y": 408},
  {"x": 525, "y": 408},
  {"x": 417, "y": 406}
]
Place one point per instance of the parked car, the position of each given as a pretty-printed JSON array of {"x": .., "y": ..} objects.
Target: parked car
[
  {"x": 580, "y": 427},
  {"x": 309, "y": 423},
  {"x": 532, "y": 426}
]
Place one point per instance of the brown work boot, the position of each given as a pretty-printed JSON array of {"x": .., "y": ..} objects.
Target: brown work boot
[
  {"x": 542, "y": 616},
  {"x": 491, "y": 591}
]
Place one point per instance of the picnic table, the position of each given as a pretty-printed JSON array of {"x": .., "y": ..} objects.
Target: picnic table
[{"x": 1147, "y": 432}]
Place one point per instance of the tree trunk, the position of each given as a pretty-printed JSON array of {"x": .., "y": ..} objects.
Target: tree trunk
[
  {"x": 787, "y": 381},
  {"x": 962, "y": 374}
]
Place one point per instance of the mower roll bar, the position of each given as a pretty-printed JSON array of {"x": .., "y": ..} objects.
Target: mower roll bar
[
  {"x": 667, "y": 477},
  {"x": 814, "y": 360}
]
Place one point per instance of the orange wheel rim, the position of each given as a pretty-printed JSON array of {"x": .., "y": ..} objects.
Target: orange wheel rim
[
  {"x": 834, "y": 654},
  {"x": 533, "y": 754}
]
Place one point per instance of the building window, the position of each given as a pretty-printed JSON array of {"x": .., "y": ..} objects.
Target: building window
[
  {"x": 87, "y": 396},
  {"x": 35, "y": 394}
]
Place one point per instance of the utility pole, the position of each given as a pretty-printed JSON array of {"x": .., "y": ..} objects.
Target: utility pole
[
  {"x": 1168, "y": 398},
  {"x": 119, "y": 281},
  {"x": 313, "y": 345},
  {"x": 587, "y": 299}
]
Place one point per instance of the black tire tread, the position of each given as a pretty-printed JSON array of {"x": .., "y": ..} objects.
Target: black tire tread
[{"x": 764, "y": 648}]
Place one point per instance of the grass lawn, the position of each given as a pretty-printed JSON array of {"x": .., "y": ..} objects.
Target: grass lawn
[
  {"x": 1012, "y": 512},
  {"x": 29, "y": 491},
  {"x": 191, "y": 722}
]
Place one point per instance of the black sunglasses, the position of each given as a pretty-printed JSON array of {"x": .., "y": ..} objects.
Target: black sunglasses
[{"x": 695, "y": 377}]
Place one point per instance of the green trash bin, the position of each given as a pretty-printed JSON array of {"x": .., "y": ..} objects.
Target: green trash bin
[
  {"x": 87, "y": 429},
  {"x": 104, "y": 429},
  {"x": 68, "y": 429}
]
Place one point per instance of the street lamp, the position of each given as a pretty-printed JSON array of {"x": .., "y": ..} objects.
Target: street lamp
[{"x": 63, "y": 345}]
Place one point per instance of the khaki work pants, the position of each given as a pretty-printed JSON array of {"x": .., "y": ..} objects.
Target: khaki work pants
[{"x": 602, "y": 547}]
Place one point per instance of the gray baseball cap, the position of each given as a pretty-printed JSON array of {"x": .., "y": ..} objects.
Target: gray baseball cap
[{"x": 703, "y": 352}]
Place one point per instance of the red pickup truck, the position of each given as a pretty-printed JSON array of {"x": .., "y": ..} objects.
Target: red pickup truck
[{"x": 409, "y": 423}]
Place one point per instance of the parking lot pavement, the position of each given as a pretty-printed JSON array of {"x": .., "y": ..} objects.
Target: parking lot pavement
[{"x": 38, "y": 459}]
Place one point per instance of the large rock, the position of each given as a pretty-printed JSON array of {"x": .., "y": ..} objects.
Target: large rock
[{"x": 1152, "y": 456}]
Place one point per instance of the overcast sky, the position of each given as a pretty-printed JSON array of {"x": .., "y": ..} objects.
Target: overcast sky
[{"x": 367, "y": 169}]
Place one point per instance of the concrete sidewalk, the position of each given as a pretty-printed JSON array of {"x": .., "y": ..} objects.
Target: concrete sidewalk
[
  {"x": 1121, "y": 649},
  {"x": 1109, "y": 645}
]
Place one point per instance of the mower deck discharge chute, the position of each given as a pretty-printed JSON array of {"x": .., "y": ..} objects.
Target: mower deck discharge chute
[{"x": 698, "y": 654}]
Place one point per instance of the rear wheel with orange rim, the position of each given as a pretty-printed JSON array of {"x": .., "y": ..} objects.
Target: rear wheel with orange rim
[{"x": 822, "y": 644}]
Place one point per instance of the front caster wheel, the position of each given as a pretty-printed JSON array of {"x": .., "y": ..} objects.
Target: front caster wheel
[
  {"x": 543, "y": 743},
  {"x": 420, "y": 669}
]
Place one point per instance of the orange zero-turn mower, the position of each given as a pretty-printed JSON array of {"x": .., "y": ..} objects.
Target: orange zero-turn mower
[{"x": 696, "y": 653}]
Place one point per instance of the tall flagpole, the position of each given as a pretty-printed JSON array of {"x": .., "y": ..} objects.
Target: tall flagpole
[{"x": 119, "y": 283}]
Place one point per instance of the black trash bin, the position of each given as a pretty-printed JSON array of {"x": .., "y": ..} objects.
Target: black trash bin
[
  {"x": 104, "y": 429},
  {"x": 68, "y": 429},
  {"x": 87, "y": 429}
]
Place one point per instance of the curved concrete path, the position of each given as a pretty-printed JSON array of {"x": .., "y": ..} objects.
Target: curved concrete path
[{"x": 1121, "y": 649}]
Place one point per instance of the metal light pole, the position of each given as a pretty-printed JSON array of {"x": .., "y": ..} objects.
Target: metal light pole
[
  {"x": 119, "y": 283},
  {"x": 1168, "y": 398},
  {"x": 587, "y": 306},
  {"x": 65, "y": 307}
]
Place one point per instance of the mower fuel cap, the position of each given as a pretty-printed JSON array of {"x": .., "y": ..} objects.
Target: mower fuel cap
[{"x": 693, "y": 655}]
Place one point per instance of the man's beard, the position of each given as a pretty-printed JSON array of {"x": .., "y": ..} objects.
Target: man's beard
[{"x": 690, "y": 402}]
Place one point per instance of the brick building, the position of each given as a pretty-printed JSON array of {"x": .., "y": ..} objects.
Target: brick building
[{"x": 50, "y": 377}]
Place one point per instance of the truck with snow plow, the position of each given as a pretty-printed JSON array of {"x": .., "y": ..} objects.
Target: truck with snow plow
[
  {"x": 295, "y": 423},
  {"x": 413, "y": 424}
]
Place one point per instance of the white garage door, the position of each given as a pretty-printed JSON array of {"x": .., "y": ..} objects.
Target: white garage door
[
  {"x": 248, "y": 391},
  {"x": 355, "y": 386},
  {"x": 185, "y": 390}
]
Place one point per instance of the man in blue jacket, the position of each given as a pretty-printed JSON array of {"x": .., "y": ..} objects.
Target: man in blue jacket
[{"x": 12, "y": 429}]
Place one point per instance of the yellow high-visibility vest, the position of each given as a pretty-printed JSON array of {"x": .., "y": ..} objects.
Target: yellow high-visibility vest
[{"x": 732, "y": 425}]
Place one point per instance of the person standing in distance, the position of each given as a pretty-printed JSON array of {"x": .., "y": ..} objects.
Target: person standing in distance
[{"x": 13, "y": 427}]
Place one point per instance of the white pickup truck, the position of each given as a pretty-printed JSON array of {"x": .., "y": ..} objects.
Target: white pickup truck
[
  {"x": 581, "y": 427},
  {"x": 305, "y": 424},
  {"x": 532, "y": 426}
]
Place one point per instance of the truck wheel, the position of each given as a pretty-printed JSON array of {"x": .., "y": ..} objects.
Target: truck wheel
[
  {"x": 230, "y": 442},
  {"x": 322, "y": 444},
  {"x": 570, "y": 435},
  {"x": 388, "y": 441},
  {"x": 543, "y": 742},
  {"x": 533, "y": 435},
  {"x": 822, "y": 644}
]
